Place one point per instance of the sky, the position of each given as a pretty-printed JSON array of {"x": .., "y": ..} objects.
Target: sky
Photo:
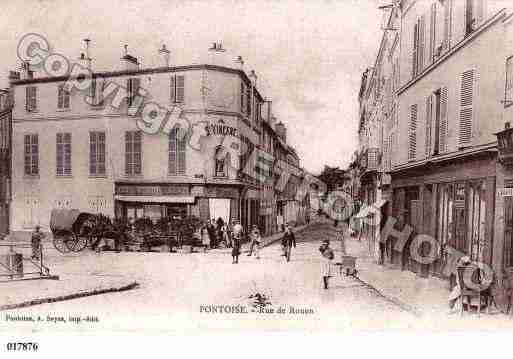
[{"x": 308, "y": 55}]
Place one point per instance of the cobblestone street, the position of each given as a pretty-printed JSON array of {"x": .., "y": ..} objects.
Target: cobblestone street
[{"x": 173, "y": 287}]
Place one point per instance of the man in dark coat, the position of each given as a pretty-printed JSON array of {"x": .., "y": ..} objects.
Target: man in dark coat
[
  {"x": 211, "y": 229},
  {"x": 288, "y": 240}
]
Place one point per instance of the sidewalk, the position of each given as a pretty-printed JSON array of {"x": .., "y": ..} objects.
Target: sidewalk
[{"x": 422, "y": 296}]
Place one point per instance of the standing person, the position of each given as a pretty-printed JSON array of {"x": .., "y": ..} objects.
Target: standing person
[
  {"x": 256, "y": 239},
  {"x": 205, "y": 238},
  {"x": 35, "y": 240},
  {"x": 211, "y": 229},
  {"x": 327, "y": 256},
  {"x": 236, "y": 239},
  {"x": 288, "y": 240}
]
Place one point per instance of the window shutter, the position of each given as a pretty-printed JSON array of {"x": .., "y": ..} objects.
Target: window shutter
[
  {"x": 172, "y": 89},
  {"x": 60, "y": 95},
  {"x": 412, "y": 133},
  {"x": 479, "y": 9},
  {"x": 181, "y": 146},
  {"x": 172, "y": 151},
  {"x": 180, "y": 88},
  {"x": 443, "y": 119},
  {"x": 66, "y": 95},
  {"x": 466, "y": 108},
  {"x": 447, "y": 24},
  {"x": 432, "y": 34},
  {"x": 414, "y": 62},
  {"x": 422, "y": 45},
  {"x": 429, "y": 125}
]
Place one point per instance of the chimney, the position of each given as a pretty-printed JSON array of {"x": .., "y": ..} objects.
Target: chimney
[
  {"x": 215, "y": 53},
  {"x": 84, "y": 59},
  {"x": 14, "y": 75},
  {"x": 165, "y": 56},
  {"x": 26, "y": 72},
  {"x": 240, "y": 62},
  {"x": 253, "y": 77},
  {"x": 129, "y": 62},
  {"x": 281, "y": 131}
]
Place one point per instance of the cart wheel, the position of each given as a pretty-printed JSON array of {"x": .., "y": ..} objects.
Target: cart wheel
[
  {"x": 77, "y": 244},
  {"x": 60, "y": 244}
]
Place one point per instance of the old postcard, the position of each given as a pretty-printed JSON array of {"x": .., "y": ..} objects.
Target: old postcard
[{"x": 205, "y": 166}]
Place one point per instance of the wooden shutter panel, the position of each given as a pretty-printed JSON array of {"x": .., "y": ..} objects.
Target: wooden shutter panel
[
  {"x": 412, "y": 133},
  {"x": 172, "y": 151},
  {"x": 421, "y": 44},
  {"x": 443, "y": 120},
  {"x": 466, "y": 108},
  {"x": 414, "y": 51},
  {"x": 432, "y": 33},
  {"x": 429, "y": 124},
  {"x": 172, "y": 89},
  {"x": 180, "y": 88}
]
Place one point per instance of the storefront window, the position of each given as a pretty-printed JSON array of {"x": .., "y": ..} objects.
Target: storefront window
[{"x": 459, "y": 218}]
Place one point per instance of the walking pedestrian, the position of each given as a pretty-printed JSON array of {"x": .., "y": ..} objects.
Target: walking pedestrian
[
  {"x": 327, "y": 256},
  {"x": 288, "y": 240},
  {"x": 35, "y": 240},
  {"x": 256, "y": 239},
  {"x": 237, "y": 235}
]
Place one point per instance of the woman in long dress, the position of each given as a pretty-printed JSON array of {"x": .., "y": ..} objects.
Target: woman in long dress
[{"x": 327, "y": 257}]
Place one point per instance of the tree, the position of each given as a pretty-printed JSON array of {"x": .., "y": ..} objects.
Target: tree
[{"x": 333, "y": 177}]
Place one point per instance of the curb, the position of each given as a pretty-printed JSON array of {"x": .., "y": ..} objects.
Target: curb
[
  {"x": 81, "y": 294},
  {"x": 397, "y": 302}
]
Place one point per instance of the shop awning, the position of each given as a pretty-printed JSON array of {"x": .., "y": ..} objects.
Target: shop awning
[{"x": 156, "y": 199}]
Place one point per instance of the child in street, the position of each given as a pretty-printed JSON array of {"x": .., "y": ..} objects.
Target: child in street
[{"x": 327, "y": 256}]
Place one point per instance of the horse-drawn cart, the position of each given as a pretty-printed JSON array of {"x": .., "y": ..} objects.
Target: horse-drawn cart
[{"x": 70, "y": 229}]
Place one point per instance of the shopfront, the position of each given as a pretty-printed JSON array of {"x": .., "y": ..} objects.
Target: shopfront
[
  {"x": 452, "y": 202},
  {"x": 157, "y": 201}
]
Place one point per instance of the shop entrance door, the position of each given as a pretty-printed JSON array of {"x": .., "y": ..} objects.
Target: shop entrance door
[
  {"x": 220, "y": 207},
  {"x": 508, "y": 232}
]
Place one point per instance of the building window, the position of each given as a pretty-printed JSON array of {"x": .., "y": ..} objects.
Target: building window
[
  {"x": 177, "y": 89},
  {"x": 96, "y": 96},
  {"x": 31, "y": 155},
  {"x": 63, "y": 141},
  {"x": 222, "y": 160},
  {"x": 242, "y": 97},
  {"x": 97, "y": 153},
  {"x": 31, "y": 98},
  {"x": 177, "y": 145},
  {"x": 249, "y": 103},
  {"x": 133, "y": 153},
  {"x": 63, "y": 97},
  {"x": 133, "y": 85},
  {"x": 508, "y": 98}
]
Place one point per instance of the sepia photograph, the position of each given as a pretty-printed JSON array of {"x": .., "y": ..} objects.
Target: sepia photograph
[{"x": 200, "y": 167}]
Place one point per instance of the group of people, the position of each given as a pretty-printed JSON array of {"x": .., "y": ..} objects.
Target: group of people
[{"x": 214, "y": 232}]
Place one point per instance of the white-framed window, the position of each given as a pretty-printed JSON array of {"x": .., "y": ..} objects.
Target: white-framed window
[
  {"x": 133, "y": 153},
  {"x": 508, "y": 94},
  {"x": 63, "y": 152},
  {"x": 31, "y": 98},
  {"x": 177, "y": 88},
  {"x": 63, "y": 98},
  {"x": 132, "y": 86},
  {"x": 176, "y": 152},
  {"x": 31, "y": 155},
  {"x": 97, "y": 153}
]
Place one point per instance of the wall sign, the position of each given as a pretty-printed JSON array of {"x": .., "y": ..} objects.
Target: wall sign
[
  {"x": 152, "y": 190},
  {"x": 505, "y": 192}
]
